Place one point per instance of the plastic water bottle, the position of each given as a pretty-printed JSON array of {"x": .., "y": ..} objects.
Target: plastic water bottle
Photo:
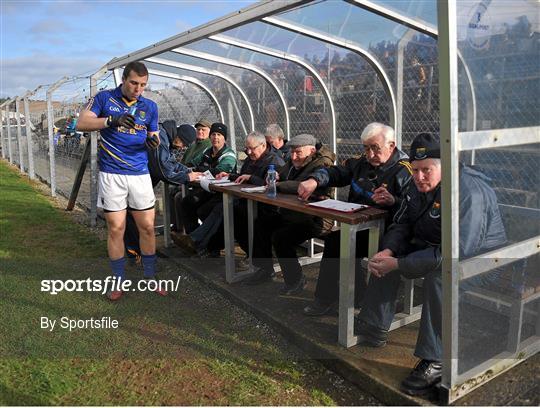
[{"x": 271, "y": 176}]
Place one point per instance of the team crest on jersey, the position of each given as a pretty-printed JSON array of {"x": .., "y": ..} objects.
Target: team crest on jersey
[
  {"x": 142, "y": 114},
  {"x": 435, "y": 211}
]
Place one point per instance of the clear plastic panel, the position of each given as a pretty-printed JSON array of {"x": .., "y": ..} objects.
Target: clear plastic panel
[
  {"x": 499, "y": 43},
  {"x": 356, "y": 91},
  {"x": 498, "y": 309},
  {"x": 229, "y": 98},
  {"x": 424, "y": 11}
]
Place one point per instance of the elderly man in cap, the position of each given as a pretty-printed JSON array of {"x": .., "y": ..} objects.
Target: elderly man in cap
[
  {"x": 193, "y": 155},
  {"x": 377, "y": 178},
  {"x": 218, "y": 158},
  {"x": 412, "y": 248},
  {"x": 286, "y": 229}
]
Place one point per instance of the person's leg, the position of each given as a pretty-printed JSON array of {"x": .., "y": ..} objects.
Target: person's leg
[
  {"x": 285, "y": 239},
  {"x": 262, "y": 244},
  {"x": 204, "y": 232},
  {"x": 145, "y": 224},
  {"x": 429, "y": 342},
  {"x": 327, "y": 289},
  {"x": 177, "y": 209},
  {"x": 189, "y": 206},
  {"x": 131, "y": 237},
  {"x": 116, "y": 225}
]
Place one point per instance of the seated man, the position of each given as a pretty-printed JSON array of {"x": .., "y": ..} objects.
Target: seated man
[
  {"x": 378, "y": 178},
  {"x": 218, "y": 158},
  {"x": 185, "y": 136},
  {"x": 276, "y": 139},
  {"x": 286, "y": 229},
  {"x": 193, "y": 155},
  {"x": 412, "y": 248},
  {"x": 163, "y": 166},
  {"x": 208, "y": 237}
]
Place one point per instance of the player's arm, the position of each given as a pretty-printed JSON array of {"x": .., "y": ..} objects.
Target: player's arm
[{"x": 89, "y": 122}]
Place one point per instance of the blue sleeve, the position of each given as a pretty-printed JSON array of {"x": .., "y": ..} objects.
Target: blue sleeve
[
  {"x": 153, "y": 125},
  {"x": 97, "y": 103}
]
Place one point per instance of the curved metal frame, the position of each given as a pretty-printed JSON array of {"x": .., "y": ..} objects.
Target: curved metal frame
[
  {"x": 249, "y": 67},
  {"x": 218, "y": 74},
  {"x": 288, "y": 57},
  {"x": 192, "y": 80},
  {"x": 330, "y": 39}
]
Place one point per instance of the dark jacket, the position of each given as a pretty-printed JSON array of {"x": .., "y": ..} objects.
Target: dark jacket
[
  {"x": 162, "y": 163},
  {"x": 224, "y": 160},
  {"x": 415, "y": 235},
  {"x": 363, "y": 178},
  {"x": 290, "y": 178},
  {"x": 258, "y": 168}
]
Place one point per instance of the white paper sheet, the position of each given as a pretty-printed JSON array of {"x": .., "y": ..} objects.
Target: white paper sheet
[
  {"x": 260, "y": 189},
  {"x": 338, "y": 205}
]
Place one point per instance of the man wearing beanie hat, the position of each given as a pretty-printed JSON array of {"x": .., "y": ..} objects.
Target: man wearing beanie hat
[
  {"x": 198, "y": 203},
  {"x": 378, "y": 178},
  {"x": 412, "y": 248}
]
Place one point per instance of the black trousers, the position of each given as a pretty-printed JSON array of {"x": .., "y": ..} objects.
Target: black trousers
[
  {"x": 197, "y": 204},
  {"x": 327, "y": 290},
  {"x": 283, "y": 236}
]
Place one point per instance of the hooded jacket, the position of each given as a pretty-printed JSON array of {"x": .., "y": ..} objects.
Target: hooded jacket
[
  {"x": 162, "y": 163},
  {"x": 224, "y": 160},
  {"x": 290, "y": 178},
  {"x": 363, "y": 178},
  {"x": 415, "y": 235}
]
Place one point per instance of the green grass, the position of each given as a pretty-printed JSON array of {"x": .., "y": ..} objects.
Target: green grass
[{"x": 189, "y": 348}]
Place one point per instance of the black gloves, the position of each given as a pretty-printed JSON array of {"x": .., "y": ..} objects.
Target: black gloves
[
  {"x": 152, "y": 141},
  {"x": 126, "y": 120}
]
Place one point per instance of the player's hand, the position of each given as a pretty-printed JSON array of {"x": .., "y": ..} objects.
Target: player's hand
[
  {"x": 306, "y": 188},
  {"x": 221, "y": 175},
  {"x": 243, "y": 178},
  {"x": 152, "y": 141},
  {"x": 126, "y": 120}
]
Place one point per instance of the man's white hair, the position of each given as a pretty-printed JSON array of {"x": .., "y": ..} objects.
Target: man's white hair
[
  {"x": 256, "y": 137},
  {"x": 375, "y": 129},
  {"x": 274, "y": 131}
]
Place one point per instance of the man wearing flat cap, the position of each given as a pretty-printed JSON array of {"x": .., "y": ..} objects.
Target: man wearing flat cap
[
  {"x": 193, "y": 155},
  {"x": 286, "y": 229},
  {"x": 412, "y": 248}
]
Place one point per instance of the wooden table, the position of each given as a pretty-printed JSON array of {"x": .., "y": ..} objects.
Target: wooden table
[{"x": 371, "y": 219}]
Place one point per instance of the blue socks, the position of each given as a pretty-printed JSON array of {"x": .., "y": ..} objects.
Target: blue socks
[
  {"x": 118, "y": 267},
  {"x": 149, "y": 265}
]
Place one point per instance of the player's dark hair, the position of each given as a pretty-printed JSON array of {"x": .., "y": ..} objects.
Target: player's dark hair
[{"x": 138, "y": 67}]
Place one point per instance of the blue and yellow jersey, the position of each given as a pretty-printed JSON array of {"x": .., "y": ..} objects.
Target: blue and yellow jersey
[{"x": 122, "y": 150}]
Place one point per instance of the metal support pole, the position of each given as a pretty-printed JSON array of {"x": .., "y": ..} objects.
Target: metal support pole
[
  {"x": 166, "y": 215},
  {"x": 19, "y": 132},
  {"x": 10, "y": 149},
  {"x": 448, "y": 95},
  {"x": 29, "y": 140},
  {"x": 2, "y": 134},
  {"x": 93, "y": 151},
  {"x": 400, "y": 84}
]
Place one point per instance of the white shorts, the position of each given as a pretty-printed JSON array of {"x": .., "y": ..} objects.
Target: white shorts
[{"x": 117, "y": 192}]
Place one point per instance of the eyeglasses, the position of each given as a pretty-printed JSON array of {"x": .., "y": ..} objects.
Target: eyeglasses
[
  {"x": 247, "y": 150},
  {"x": 374, "y": 148}
]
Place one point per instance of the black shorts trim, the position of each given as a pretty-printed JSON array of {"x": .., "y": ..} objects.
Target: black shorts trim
[
  {"x": 144, "y": 209},
  {"x": 112, "y": 211}
]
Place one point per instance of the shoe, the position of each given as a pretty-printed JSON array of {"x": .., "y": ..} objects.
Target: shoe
[
  {"x": 260, "y": 276},
  {"x": 243, "y": 264},
  {"x": 158, "y": 290},
  {"x": 318, "y": 308},
  {"x": 369, "y": 335},
  {"x": 184, "y": 241},
  {"x": 204, "y": 253},
  {"x": 114, "y": 295},
  {"x": 294, "y": 289},
  {"x": 425, "y": 375}
]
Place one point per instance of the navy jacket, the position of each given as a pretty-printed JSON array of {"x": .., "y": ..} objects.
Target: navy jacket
[
  {"x": 162, "y": 163},
  {"x": 415, "y": 235}
]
